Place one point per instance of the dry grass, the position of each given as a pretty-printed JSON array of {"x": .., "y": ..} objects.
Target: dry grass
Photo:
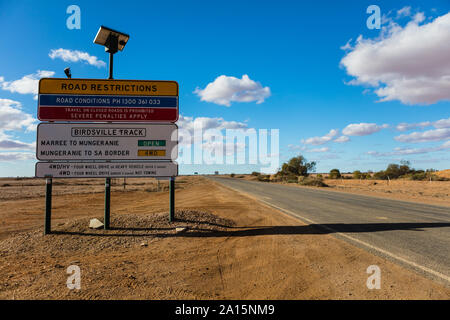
[
  {"x": 234, "y": 249},
  {"x": 435, "y": 192}
]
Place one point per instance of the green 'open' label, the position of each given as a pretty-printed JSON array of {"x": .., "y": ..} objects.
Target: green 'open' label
[{"x": 151, "y": 143}]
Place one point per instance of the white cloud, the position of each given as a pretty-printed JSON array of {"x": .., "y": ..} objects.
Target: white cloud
[
  {"x": 221, "y": 145},
  {"x": 321, "y": 140},
  {"x": 16, "y": 156},
  {"x": 293, "y": 147},
  {"x": 425, "y": 136},
  {"x": 76, "y": 56},
  {"x": 325, "y": 156},
  {"x": 188, "y": 124},
  {"x": 224, "y": 90},
  {"x": 409, "y": 63},
  {"x": 362, "y": 129},
  {"x": 347, "y": 46},
  {"x": 405, "y": 11},
  {"x": 443, "y": 123},
  {"x": 27, "y": 84},
  {"x": 13, "y": 118},
  {"x": 342, "y": 139},
  {"x": 408, "y": 126},
  {"x": 410, "y": 151},
  {"x": 439, "y": 124},
  {"x": 319, "y": 150},
  {"x": 16, "y": 145}
]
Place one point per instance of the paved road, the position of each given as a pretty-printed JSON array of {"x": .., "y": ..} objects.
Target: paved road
[{"x": 414, "y": 235}]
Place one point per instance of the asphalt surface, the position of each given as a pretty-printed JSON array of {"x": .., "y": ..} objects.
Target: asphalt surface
[{"x": 411, "y": 234}]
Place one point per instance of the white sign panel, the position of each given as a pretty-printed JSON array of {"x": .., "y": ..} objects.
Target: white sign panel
[
  {"x": 106, "y": 141},
  {"x": 106, "y": 169}
]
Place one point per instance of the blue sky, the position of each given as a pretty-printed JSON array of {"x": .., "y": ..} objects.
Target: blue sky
[{"x": 294, "y": 48}]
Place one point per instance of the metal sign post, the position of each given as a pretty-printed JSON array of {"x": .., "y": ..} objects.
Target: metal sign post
[
  {"x": 107, "y": 203},
  {"x": 113, "y": 42},
  {"x": 48, "y": 206},
  {"x": 172, "y": 200}
]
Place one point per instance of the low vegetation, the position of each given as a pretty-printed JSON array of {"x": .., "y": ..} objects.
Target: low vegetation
[
  {"x": 311, "y": 181},
  {"x": 404, "y": 171},
  {"x": 298, "y": 170},
  {"x": 393, "y": 171}
]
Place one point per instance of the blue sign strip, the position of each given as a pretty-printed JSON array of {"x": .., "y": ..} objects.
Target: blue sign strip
[{"x": 107, "y": 101}]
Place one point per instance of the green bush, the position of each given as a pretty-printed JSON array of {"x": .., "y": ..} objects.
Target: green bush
[
  {"x": 419, "y": 176},
  {"x": 264, "y": 178},
  {"x": 312, "y": 181},
  {"x": 297, "y": 166},
  {"x": 380, "y": 175},
  {"x": 357, "y": 174},
  {"x": 366, "y": 175},
  {"x": 335, "y": 174}
]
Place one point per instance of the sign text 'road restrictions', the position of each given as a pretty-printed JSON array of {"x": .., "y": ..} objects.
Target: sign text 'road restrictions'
[
  {"x": 157, "y": 169},
  {"x": 106, "y": 141},
  {"x": 95, "y": 100}
]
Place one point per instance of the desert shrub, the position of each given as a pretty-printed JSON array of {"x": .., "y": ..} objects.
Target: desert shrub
[
  {"x": 264, "y": 178},
  {"x": 424, "y": 175},
  {"x": 275, "y": 178},
  {"x": 380, "y": 175},
  {"x": 297, "y": 166},
  {"x": 366, "y": 175},
  {"x": 319, "y": 176},
  {"x": 394, "y": 171},
  {"x": 232, "y": 175},
  {"x": 312, "y": 181},
  {"x": 289, "y": 177},
  {"x": 255, "y": 173},
  {"x": 357, "y": 174},
  {"x": 335, "y": 174},
  {"x": 419, "y": 176},
  {"x": 404, "y": 171}
]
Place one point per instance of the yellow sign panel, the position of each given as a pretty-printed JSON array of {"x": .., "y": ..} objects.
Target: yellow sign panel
[
  {"x": 151, "y": 153},
  {"x": 108, "y": 87}
]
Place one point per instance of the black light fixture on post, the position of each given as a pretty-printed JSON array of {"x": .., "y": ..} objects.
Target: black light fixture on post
[
  {"x": 68, "y": 73},
  {"x": 113, "y": 41}
]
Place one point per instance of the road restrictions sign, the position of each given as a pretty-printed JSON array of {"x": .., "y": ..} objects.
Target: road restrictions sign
[
  {"x": 106, "y": 141},
  {"x": 159, "y": 169},
  {"x": 107, "y": 100}
]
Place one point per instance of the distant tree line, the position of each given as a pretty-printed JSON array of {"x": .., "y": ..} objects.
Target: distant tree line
[
  {"x": 298, "y": 170},
  {"x": 393, "y": 171}
]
